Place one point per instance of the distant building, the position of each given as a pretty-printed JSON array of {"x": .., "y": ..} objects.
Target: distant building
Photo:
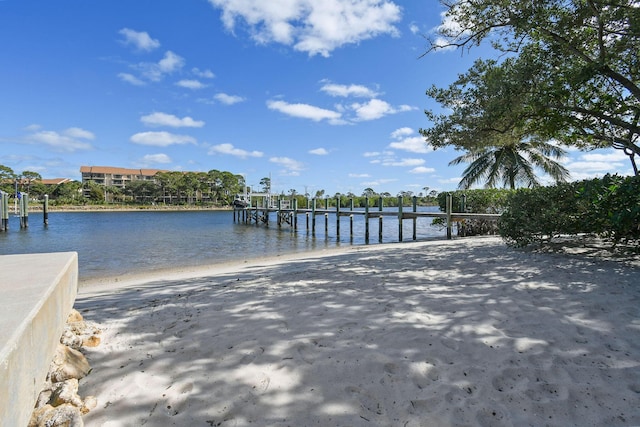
[
  {"x": 116, "y": 177},
  {"x": 50, "y": 182}
]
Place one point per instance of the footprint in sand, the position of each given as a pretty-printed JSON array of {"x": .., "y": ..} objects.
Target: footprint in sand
[
  {"x": 367, "y": 401},
  {"x": 305, "y": 353},
  {"x": 508, "y": 380},
  {"x": 450, "y": 344},
  {"x": 391, "y": 368},
  {"x": 547, "y": 392},
  {"x": 424, "y": 406},
  {"x": 250, "y": 357}
]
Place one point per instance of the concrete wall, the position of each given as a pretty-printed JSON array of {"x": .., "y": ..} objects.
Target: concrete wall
[{"x": 37, "y": 292}]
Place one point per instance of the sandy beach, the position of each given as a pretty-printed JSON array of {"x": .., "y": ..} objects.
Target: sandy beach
[{"x": 466, "y": 332}]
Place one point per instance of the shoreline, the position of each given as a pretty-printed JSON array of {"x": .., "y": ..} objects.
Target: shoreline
[
  {"x": 125, "y": 208},
  {"x": 447, "y": 332},
  {"x": 193, "y": 271}
]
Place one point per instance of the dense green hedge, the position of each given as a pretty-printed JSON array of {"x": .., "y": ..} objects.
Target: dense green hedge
[{"x": 608, "y": 207}]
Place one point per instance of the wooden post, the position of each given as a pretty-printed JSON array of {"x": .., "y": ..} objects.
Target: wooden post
[
  {"x": 351, "y": 220},
  {"x": 380, "y": 206},
  {"x": 463, "y": 208},
  {"x": 338, "y": 217},
  {"x": 2, "y": 203},
  {"x": 5, "y": 211},
  {"x": 415, "y": 220},
  {"x": 45, "y": 210},
  {"x": 295, "y": 214},
  {"x": 279, "y": 213},
  {"x": 326, "y": 217},
  {"x": 366, "y": 220},
  {"x": 400, "y": 218},
  {"x": 313, "y": 217},
  {"x": 449, "y": 208},
  {"x": 24, "y": 210}
]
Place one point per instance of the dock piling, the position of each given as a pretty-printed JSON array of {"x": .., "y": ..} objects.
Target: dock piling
[
  {"x": 45, "y": 210},
  {"x": 415, "y": 219},
  {"x": 449, "y": 211},
  {"x": 4, "y": 211},
  {"x": 380, "y": 207},
  {"x": 338, "y": 217},
  {"x": 366, "y": 220},
  {"x": 400, "y": 218},
  {"x": 24, "y": 210}
]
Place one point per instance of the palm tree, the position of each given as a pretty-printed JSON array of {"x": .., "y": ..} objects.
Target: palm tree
[{"x": 511, "y": 164}]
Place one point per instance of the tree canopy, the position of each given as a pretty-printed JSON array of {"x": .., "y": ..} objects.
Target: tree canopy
[{"x": 568, "y": 71}]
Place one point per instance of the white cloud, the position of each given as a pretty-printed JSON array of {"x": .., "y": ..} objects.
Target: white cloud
[
  {"x": 171, "y": 62},
  {"x": 161, "y": 139},
  {"x": 422, "y": 169},
  {"x": 415, "y": 144},
  {"x": 70, "y": 140},
  {"x": 159, "y": 158},
  {"x": 319, "y": 151},
  {"x": 204, "y": 74},
  {"x": 163, "y": 119},
  {"x": 140, "y": 40},
  {"x": 359, "y": 175},
  {"x": 228, "y": 99},
  {"x": 304, "y": 111},
  {"x": 379, "y": 182},
  {"x": 403, "y": 162},
  {"x": 191, "y": 84},
  {"x": 607, "y": 156},
  {"x": 377, "y": 108},
  {"x": 456, "y": 180},
  {"x": 372, "y": 154},
  {"x": 79, "y": 133},
  {"x": 344, "y": 91},
  {"x": 292, "y": 167},
  {"x": 231, "y": 150},
  {"x": 130, "y": 78},
  {"x": 593, "y": 164},
  {"x": 402, "y": 132},
  {"x": 311, "y": 26},
  {"x": 154, "y": 72}
]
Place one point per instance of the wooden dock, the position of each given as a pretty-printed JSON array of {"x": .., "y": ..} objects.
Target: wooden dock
[{"x": 288, "y": 215}]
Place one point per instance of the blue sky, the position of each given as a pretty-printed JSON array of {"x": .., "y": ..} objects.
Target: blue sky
[{"x": 320, "y": 95}]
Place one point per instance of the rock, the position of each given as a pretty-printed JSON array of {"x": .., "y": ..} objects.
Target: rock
[
  {"x": 74, "y": 316},
  {"x": 68, "y": 363},
  {"x": 62, "y": 416},
  {"x": 58, "y": 404},
  {"x": 92, "y": 341},
  {"x": 71, "y": 339},
  {"x": 66, "y": 392},
  {"x": 90, "y": 402}
]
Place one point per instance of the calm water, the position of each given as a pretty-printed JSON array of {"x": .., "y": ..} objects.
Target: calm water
[{"x": 115, "y": 243}]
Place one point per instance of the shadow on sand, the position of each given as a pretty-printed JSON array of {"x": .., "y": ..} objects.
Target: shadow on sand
[{"x": 443, "y": 333}]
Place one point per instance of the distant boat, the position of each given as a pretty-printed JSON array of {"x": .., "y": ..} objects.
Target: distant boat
[{"x": 238, "y": 203}]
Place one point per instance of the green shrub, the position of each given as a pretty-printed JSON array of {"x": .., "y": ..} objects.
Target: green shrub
[{"x": 608, "y": 207}]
